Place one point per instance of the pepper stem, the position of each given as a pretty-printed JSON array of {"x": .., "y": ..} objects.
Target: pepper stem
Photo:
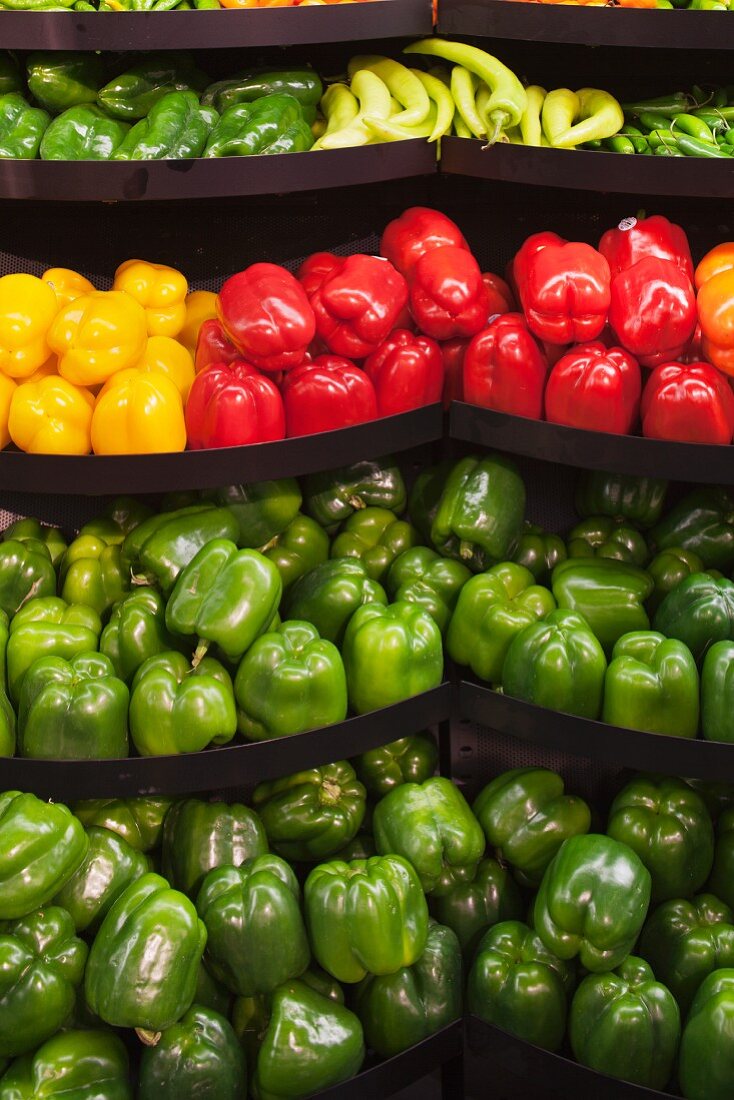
[
  {"x": 466, "y": 550},
  {"x": 148, "y": 1038},
  {"x": 200, "y": 652},
  {"x": 140, "y": 580},
  {"x": 499, "y": 120},
  {"x": 357, "y": 502}
]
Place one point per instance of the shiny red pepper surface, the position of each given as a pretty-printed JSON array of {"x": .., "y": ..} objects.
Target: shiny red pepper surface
[
  {"x": 447, "y": 295},
  {"x": 212, "y": 346},
  {"x": 635, "y": 238},
  {"x": 418, "y": 230},
  {"x": 596, "y": 388},
  {"x": 406, "y": 371},
  {"x": 653, "y": 310},
  {"x": 232, "y": 404},
  {"x": 265, "y": 313},
  {"x": 329, "y": 393},
  {"x": 690, "y": 403},
  {"x": 505, "y": 368},
  {"x": 453, "y": 352}
]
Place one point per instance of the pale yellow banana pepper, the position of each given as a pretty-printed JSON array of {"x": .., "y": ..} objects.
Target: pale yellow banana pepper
[
  {"x": 138, "y": 412},
  {"x": 165, "y": 355},
  {"x": 28, "y": 307},
  {"x": 51, "y": 416},
  {"x": 66, "y": 284},
  {"x": 98, "y": 334},
  {"x": 160, "y": 290},
  {"x": 201, "y": 305}
]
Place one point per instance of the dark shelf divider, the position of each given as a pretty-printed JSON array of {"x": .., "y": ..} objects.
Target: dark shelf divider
[{"x": 389, "y": 1077}]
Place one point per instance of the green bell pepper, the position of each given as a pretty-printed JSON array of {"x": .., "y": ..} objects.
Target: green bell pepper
[
  {"x": 703, "y": 521},
  {"x": 412, "y": 759},
  {"x": 59, "y": 80},
  {"x": 685, "y": 941},
  {"x": 7, "y": 714},
  {"x": 539, "y": 551},
  {"x": 526, "y": 817},
  {"x": 26, "y": 573},
  {"x": 470, "y": 908},
  {"x": 609, "y": 594},
  {"x": 604, "y": 537},
  {"x": 134, "y": 93},
  {"x": 638, "y": 500},
  {"x": 41, "y": 964},
  {"x": 83, "y": 133},
  {"x": 330, "y": 594},
  {"x": 316, "y": 978},
  {"x": 667, "y": 569},
  {"x": 376, "y": 537},
  {"x": 557, "y": 663},
  {"x": 139, "y": 821},
  {"x": 517, "y": 984},
  {"x": 199, "y": 836},
  {"x": 303, "y": 84},
  {"x": 298, "y": 549},
  {"x": 41, "y": 846},
  {"x": 91, "y": 572},
  {"x": 480, "y": 513},
  {"x": 401, "y": 1009},
  {"x": 263, "y": 509},
  {"x": 21, "y": 127},
  {"x": 390, "y": 654},
  {"x": 136, "y": 631},
  {"x": 109, "y": 867},
  {"x": 10, "y": 75},
  {"x": 310, "y": 1044},
  {"x": 423, "y": 577},
  {"x": 432, "y": 825},
  {"x": 211, "y": 994},
  {"x": 592, "y": 901},
  {"x": 177, "y": 708},
  {"x": 652, "y": 685},
  {"x": 121, "y": 516},
  {"x": 311, "y": 815},
  {"x": 289, "y": 681},
  {"x": 161, "y": 546},
  {"x": 85, "y": 1065},
  {"x": 365, "y": 917},
  {"x": 426, "y": 495},
  {"x": 706, "y": 1057},
  {"x": 699, "y": 612},
  {"x": 256, "y": 936},
  {"x": 142, "y": 968},
  {"x": 175, "y": 128},
  {"x": 492, "y": 609},
  {"x": 199, "y": 1056},
  {"x": 30, "y": 530},
  {"x": 332, "y": 496},
  {"x": 225, "y": 596},
  {"x": 273, "y": 124},
  {"x": 626, "y": 1025},
  {"x": 73, "y": 710},
  {"x": 48, "y": 627},
  {"x": 667, "y": 824}
]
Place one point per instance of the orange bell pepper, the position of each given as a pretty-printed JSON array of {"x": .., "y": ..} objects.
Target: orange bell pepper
[
  {"x": 166, "y": 356},
  {"x": 201, "y": 305},
  {"x": 66, "y": 284},
  {"x": 51, "y": 416},
  {"x": 714, "y": 278},
  {"x": 138, "y": 412}
]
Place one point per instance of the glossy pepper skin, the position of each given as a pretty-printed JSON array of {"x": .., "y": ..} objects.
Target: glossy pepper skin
[
  {"x": 138, "y": 821},
  {"x": 139, "y": 411},
  {"x": 492, "y": 609},
  {"x": 604, "y": 537},
  {"x": 90, "y": 1065},
  {"x": 526, "y": 817},
  {"x": 298, "y": 549},
  {"x": 685, "y": 941},
  {"x": 91, "y": 573},
  {"x": 310, "y": 1044},
  {"x": 48, "y": 627},
  {"x": 330, "y": 594},
  {"x": 26, "y": 572},
  {"x": 667, "y": 569},
  {"x": 61, "y": 80},
  {"x": 233, "y": 405},
  {"x": 702, "y": 521},
  {"x": 162, "y": 546},
  {"x": 21, "y": 127},
  {"x": 411, "y": 759},
  {"x": 448, "y": 298},
  {"x": 42, "y": 844},
  {"x": 596, "y": 388},
  {"x": 401, "y": 1009},
  {"x": 96, "y": 335},
  {"x": 365, "y": 917},
  {"x": 83, "y": 132},
  {"x": 264, "y": 311},
  {"x": 263, "y": 509},
  {"x": 609, "y": 594},
  {"x": 31, "y": 531},
  {"x": 564, "y": 288},
  {"x": 653, "y": 310},
  {"x": 332, "y": 496},
  {"x": 326, "y": 394},
  {"x": 198, "y": 1055},
  {"x": 175, "y": 128},
  {"x": 418, "y": 230},
  {"x": 290, "y": 680},
  {"x": 407, "y": 372},
  {"x": 592, "y": 901},
  {"x": 700, "y": 612},
  {"x": 706, "y": 1058},
  {"x": 143, "y": 965},
  {"x": 626, "y": 1024},
  {"x": 688, "y": 403},
  {"x": 376, "y": 537},
  {"x": 136, "y": 631},
  {"x": 470, "y": 908},
  {"x": 160, "y": 290},
  {"x": 198, "y": 836},
  {"x": 635, "y": 238},
  {"x": 132, "y": 94},
  {"x": 7, "y": 713},
  {"x": 652, "y": 685},
  {"x": 251, "y": 85},
  {"x": 28, "y": 308},
  {"x": 421, "y": 576},
  {"x": 515, "y": 982},
  {"x": 272, "y": 124},
  {"x": 720, "y": 881},
  {"x": 505, "y": 368},
  {"x": 108, "y": 868},
  {"x": 717, "y": 719},
  {"x": 41, "y": 964},
  {"x": 539, "y": 551},
  {"x": 432, "y": 825},
  {"x": 51, "y": 416},
  {"x": 310, "y": 815},
  {"x": 256, "y": 936},
  {"x": 714, "y": 280},
  {"x": 637, "y": 499}
]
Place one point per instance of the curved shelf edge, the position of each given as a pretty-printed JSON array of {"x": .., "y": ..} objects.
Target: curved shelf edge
[
  {"x": 559, "y": 1075},
  {"x": 584, "y": 170},
  {"x": 630, "y": 454},
  {"x": 230, "y": 765},
  {"x": 102, "y": 475},
  {"x": 592, "y": 26},
  {"x": 169, "y": 180},
  {"x": 652, "y": 752}
]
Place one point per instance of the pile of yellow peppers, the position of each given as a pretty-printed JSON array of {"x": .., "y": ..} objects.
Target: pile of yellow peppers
[{"x": 106, "y": 371}]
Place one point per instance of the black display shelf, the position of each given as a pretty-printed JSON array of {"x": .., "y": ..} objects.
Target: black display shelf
[
  {"x": 99, "y": 475},
  {"x": 597, "y": 26},
  {"x": 394, "y": 1074},
  {"x": 540, "y": 1071},
  {"x": 167, "y": 180},
  {"x": 652, "y": 752},
  {"x": 207, "y": 30},
  {"x": 625, "y": 454},
  {"x": 230, "y": 765},
  {"x": 584, "y": 170}
]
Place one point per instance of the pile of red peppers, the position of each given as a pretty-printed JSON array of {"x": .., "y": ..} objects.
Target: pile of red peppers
[{"x": 611, "y": 339}]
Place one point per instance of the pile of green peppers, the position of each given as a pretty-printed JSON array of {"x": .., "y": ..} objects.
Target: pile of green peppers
[
  {"x": 80, "y": 106},
  {"x": 691, "y": 124}
]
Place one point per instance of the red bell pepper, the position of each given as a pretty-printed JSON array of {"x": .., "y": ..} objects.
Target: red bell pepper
[
  {"x": 505, "y": 368},
  {"x": 418, "y": 230},
  {"x": 594, "y": 387},
  {"x": 636, "y": 238},
  {"x": 212, "y": 346},
  {"x": 563, "y": 288},
  {"x": 447, "y": 295},
  {"x": 653, "y": 310},
  {"x": 326, "y": 394},
  {"x": 315, "y": 269},
  {"x": 406, "y": 371},
  {"x": 690, "y": 403},
  {"x": 231, "y": 404},
  {"x": 453, "y": 352},
  {"x": 500, "y": 296},
  {"x": 357, "y": 302},
  {"x": 265, "y": 313}
]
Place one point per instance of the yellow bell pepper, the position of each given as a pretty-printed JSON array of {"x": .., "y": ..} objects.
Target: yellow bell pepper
[
  {"x": 98, "y": 334},
  {"x": 51, "y": 417},
  {"x": 160, "y": 290},
  {"x": 50, "y": 367},
  {"x": 138, "y": 412},
  {"x": 7, "y": 389},
  {"x": 27, "y": 309},
  {"x": 166, "y": 356},
  {"x": 201, "y": 305},
  {"x": 66, "y": 284}
]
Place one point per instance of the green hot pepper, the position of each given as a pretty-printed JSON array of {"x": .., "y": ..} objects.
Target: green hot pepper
[
  {"x": 304, "y": 85},
  {"x": 21, "y": 127},
  {"x": 274, "y": 124},
  {"x": 134, "y": 93},
  {"x": 176, "y": 128},
  {"x": 83, "y": 133},
  {"x": 59, "y": 80}
]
